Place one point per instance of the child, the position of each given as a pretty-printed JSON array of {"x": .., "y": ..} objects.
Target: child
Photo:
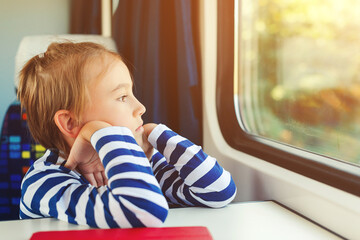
[{"x": 103, "y": 167}]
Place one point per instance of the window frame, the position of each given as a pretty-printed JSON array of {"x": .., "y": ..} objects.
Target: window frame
[{"x": 238, "y": 139}]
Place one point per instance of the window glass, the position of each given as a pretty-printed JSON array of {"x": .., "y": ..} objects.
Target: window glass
[{"x": 299, "y": 73}]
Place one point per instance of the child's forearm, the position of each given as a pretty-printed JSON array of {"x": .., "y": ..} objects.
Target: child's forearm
[
  {"x": 205, "y": 181},
  {"x": 132, "y": 198},
  {"x": 130, "y": 177}
]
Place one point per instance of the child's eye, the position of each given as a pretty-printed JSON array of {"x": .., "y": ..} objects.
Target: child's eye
[{"x": 122, "y": 98}]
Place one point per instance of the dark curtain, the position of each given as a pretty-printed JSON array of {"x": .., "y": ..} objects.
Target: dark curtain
[
  {"x": 160, "y": 42},
  {"x": 85, "y": 17}
]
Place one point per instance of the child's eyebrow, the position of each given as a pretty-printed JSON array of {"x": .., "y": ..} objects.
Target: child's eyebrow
[{"x": 121, "y": 85}]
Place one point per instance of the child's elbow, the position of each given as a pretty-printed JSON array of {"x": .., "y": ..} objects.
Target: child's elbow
[
  {"x": 229, "y": 195},
  {"x": 222, "y": 198},
  {"x": 154, "y": 218},
  {"x": 228, "y": 199}
]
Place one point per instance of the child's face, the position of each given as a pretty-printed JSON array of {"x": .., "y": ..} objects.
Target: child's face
[{"x": 112, "y": 99}]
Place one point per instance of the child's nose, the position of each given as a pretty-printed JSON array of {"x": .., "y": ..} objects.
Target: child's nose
[
  {"x": 140, "y": 110},
  {"x": 143, "y": 109}
]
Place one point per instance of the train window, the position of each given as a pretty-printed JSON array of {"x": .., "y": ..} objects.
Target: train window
[
  {"x": 299, "y": 74},
  {"x": 296, "y": 82}
]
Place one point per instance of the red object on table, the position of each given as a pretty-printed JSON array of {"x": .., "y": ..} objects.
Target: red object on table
[{"x": 176, "y": 233}]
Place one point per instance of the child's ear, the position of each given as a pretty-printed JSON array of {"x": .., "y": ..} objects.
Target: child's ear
[{"x": 66, "y": 123}]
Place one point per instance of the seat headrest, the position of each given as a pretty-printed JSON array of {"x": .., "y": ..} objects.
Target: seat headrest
[{"x": 31, "y": 46}]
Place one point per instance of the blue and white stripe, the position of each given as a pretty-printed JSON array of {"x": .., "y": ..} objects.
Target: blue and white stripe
[
  {"x": 138, "y": 191},
  {"x": 133, "y": 197},
  {"x": 187, "y": 175}
]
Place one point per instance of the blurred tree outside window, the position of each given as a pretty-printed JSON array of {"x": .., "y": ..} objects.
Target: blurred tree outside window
[{"x": 299, "y": 74}]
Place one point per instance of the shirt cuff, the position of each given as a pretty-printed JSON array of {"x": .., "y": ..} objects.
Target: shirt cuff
[{"x": 155, "y": 134}]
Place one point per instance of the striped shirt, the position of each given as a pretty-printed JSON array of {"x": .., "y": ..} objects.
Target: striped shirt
[{"x": 138, "y": 191}]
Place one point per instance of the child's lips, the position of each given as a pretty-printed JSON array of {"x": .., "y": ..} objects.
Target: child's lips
[{"x": 141, "y": 128}]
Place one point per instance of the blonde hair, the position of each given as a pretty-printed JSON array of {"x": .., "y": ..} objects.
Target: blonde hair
[{"x": 57, "y": 80}]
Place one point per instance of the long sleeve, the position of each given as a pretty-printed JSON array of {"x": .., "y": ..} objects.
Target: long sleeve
[
  {"x": 132, "y": 198},
  {"x": 187, "y": 175}
]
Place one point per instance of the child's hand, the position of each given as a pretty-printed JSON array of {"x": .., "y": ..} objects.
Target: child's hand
[
  {"x": 84, "y": 157},
  {"x": 148, "y": 129},
  {"x": 143, "y": 141}
]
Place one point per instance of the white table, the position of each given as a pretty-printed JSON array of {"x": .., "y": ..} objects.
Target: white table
[{"x": 248, "y": 220}]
